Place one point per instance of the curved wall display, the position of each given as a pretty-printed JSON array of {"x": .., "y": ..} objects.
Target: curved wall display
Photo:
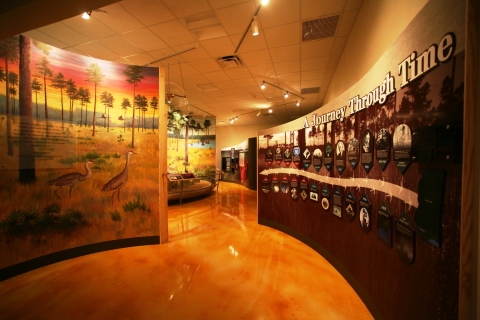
[
  {"x": 79, "y": 156},
  {"x": 406, "y": 117}
]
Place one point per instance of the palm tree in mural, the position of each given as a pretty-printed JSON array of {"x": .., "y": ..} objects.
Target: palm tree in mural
[
  {"x": 71, "y": 90},
  {"x": 199, "y": 128},
  {"x": 133, "y": 76},
  {"x": 36, "y": 87},
  {"x": 192, "y": 124},
  {"x": 9, "y": 53},
  {"x": 58, "y": 82},
  {"x": 26, "y": 163},
  {"x": 206, "y": 124},
  {"x": 95, "y": 76},
  {"x": 125, "y": 105},
  {"x": 154, "y": 106}
]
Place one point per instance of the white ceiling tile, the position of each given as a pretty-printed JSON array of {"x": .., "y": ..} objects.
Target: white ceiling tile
[
  {"x": 149, "y": 12},
  {"x": 255, "y": 58},
  {"x": 332, "y": 63},
  {"x": 218, "y": 47},
  {"x": 353, "y": 4},
  {"x": 283, "y": 35},
  {"x": 312, "y": 83},
  {"x": 119, "y": 45},
  {"x": 236, "y": 18},
  {"x": 139, "y": 59},
  {"x": 250, "y": 43},
  {"x": 118, "y": 18},
  {"x": 216, "y": 76},
  {"x": 339, "y": 45},
  {"x": 265, "y": 72},
  {"x": 232, "y": 91},
  {"x": 279, "y": 12},
  {"x": 287, "y": 53},
  {"x": 287, "y": 67},
  {"x": 313, "y": 74},
  {"x": 92, "y": 28},
  {"x": 286, "y": 77},
  {"x": 184, "y": 8},
  {"x": 42, "y": 37},
  {"x": 314, "y": 9},
  {"x": 315, "y": 63},
  {"x": 96, "y": 50},
  {"x": 215, "y": 94},
  {"x": 329, "y": 72},
  {"x": 317, "y": 48},
  {"x": 238, "y": 73},
  {"x": 158, "y": 54},
  {"x": 198, "y": 53},
  {"x": 225, "y": 84},
  {"x": 216, "y": 4},
  {"x": 144, "y": 39},
  {"x": 64, "y": 34},
  {"x": 223, "y": 99},
  {"x": 206, "y": 66},
  {"x": 173, "y": 33},
  {"x": 347, "y": 19},
  {"x": 244, "y": 82}
]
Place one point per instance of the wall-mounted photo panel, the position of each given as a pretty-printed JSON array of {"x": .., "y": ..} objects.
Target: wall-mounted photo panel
[
  {"x": 385, "y": 224},
  {"x": 402, "y": 147},
  {"x": 304, "y": 189},
  {"x": 317, "y": 159},
  {"x": 383, "y": 147},
  {"x": 350, "y": 206},
  {"x": 326, "y": 198},
  {"x": 365, "y": 214},
  {"x": 337, "y": 203},
  {"x": 278, "y": 156},
  {"x": 294, "y": 188},
  {"x": 306, "y": 158},
  {"x": 314, "y": 192},
  {"x": 353, "y": 152},
  {"x": 269, "y": 156},
  {"x": 266, "y": 184},
  {"x": 367, "y": 150},
  {"x": 287, "y": 157},
  {"x": 340, "y": 156},
  {"x": 285, "y": 184},
  {"x": 405, "y": 239},
  {"x": 297, "y": 158},
  {"x": 328, "y": 156},
  {"x": 275, "y": 184}
]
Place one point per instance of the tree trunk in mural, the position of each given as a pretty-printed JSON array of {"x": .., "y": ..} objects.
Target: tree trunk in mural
[
  {"x": 26, "y": 169},
  {"x": 134, "y": 76}
]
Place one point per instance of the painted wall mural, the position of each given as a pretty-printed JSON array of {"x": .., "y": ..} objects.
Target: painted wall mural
[
  {"x": 374, "y": 182},
  {"x": 78, "y": 151}
]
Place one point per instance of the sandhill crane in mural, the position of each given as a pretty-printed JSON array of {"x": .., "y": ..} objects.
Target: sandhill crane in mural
[
  {"x": 71, "y": 179},
  {"x": 117, "y": 182}
]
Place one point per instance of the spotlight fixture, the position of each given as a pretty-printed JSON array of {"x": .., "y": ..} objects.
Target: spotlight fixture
[
  {"x": 236, "y": 118},
  {"x": 286, "y": 94},
  {"x": 270, "y": 110},
  {"x": 264, "y": 2},
  {"x": 258, "y": 113},
  {"x": 254, "y": 26},
  {"x": 86, "y": 15},
  {"x": 263, "y": 85},
  {"x": 298, "y": 103}
]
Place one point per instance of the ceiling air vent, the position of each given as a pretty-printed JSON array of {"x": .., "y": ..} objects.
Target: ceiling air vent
[
  {"x": 319, "y": 28},
  {"x": 310, "y": 90},
  {"x": 228, "y": 62}
]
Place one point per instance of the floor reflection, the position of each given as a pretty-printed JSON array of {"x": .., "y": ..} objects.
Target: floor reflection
[{"x": 218, "y": 264}]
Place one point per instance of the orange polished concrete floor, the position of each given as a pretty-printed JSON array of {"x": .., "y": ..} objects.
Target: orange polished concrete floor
[{"x": 218, "y": 264}]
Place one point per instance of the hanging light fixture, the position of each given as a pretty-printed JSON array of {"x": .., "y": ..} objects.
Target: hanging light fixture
[
  {"x": 86, "y": 15},
  {"x": 298, "y": 103},
  {"x": 270, "y": 110},
  {"x": 285, "y": 95},
  {"x": 254, "y": 26},
  {"x": 264, "y": 2},
  {"x": 263, "y": 85}
]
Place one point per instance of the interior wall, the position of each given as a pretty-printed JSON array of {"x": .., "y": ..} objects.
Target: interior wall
[
  {"x": 231, "y": 135},
  {"x": 378, "y": 25}
]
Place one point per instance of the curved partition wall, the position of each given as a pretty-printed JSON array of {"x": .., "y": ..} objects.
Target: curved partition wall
[
  {"x": 372, "y": 180},
  {"x": 79, "y": 156}
]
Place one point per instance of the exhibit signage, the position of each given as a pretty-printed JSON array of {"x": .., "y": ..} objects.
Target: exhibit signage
[
  {"x": 383, "y": 146},
  {"x": 353, "y": 152},
  {"x": 328, "y": 159},
  {"x": 317, "y": 159},
  {"x": 367, "y": 150},
  {"x": 365, "y": 216},
  {"x": 278, "y": 156},
  {"x": 340, "y": 156},
  {"x": 384, "y": 224},
  {"x": 284, "y": 184},
  {"x": 325, "y": 199},
  {"x": 350, "y": 206},
  {"x": 294, "y": 187},
  {"x": 337, "y": 203},
  {"x": 405, "y": 239}
]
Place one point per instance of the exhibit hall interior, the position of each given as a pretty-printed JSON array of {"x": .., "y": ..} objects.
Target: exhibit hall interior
[{"x": 244, "y": 159}]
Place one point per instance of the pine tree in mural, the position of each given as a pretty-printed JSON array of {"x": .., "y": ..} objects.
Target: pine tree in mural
[
  {"x": 141, "y": 102},
  {"x": 58, "y": 82},
  {"x": 415, "y": 104},
  {"x": 125, "y": 105},
  {"x": 26, "y": 168},
  {"x": 36, "y": 87},
  {"x": 9, "y": 53},
  {"x": 95, "y": 76},
  {"x": 84, "y": 96},
  {"x": 107, "y": 100},
  {"x": 154, "y": 106},
  {"x": 71, "y": 90},
  {"x": 44, "y": 71},
  {"x": 133, "y": 76},
  {"x": 13, "y": 80}
]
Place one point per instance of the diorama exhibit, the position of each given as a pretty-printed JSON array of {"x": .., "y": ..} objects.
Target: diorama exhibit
[{"x": 373, "y": 179}]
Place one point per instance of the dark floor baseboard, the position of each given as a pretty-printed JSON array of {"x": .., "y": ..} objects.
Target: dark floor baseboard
[
  {"x": 29, "y": 265},
  {"x": 331, "y": 259}
]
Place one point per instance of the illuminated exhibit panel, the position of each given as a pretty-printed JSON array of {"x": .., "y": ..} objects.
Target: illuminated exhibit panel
[{"x": 390, "y": 224}]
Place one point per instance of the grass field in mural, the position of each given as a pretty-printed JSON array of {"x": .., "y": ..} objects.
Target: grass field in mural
[{"x": 34, "y": 221}]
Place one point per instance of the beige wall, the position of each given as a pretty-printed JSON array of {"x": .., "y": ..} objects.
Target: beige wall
[
  {"x": 231, "y": 135},
  {"x": 378, "y": 25}
]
